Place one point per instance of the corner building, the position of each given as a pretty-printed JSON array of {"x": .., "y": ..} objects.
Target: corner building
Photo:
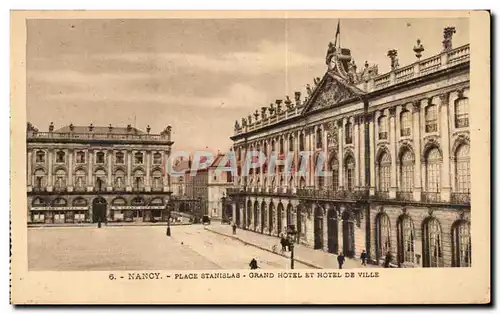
[
  {"x": 88, "y": 174},
  {"x": 397, "y": 145}
]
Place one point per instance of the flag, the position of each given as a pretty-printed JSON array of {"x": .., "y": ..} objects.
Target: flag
[{"x": 337, "y": 34}]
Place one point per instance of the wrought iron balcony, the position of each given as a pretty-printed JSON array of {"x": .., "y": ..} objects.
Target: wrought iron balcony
[
  {"x": 382, "y": 195},
  {"x": 404, "y": 196},
  {"x": 431, "y": 196},
  {"x": 460, "y": 198}
]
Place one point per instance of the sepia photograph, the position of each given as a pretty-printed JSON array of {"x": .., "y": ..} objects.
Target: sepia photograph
[{"x": 271, "y": 148}]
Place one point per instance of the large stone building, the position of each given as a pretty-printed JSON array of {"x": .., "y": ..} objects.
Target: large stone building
[
  {"x": 397, "y": 145},
  {"x": 81, "y": 174}
]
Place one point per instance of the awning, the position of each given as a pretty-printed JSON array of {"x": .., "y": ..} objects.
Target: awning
[
  {"x": 60, "y": 208},
  {"x": 136, "y": 207}
]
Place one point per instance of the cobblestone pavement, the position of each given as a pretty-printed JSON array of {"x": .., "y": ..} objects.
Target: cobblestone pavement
[
  {"x": 314, "y": 258},
  {"x": 191, "y": 247}
]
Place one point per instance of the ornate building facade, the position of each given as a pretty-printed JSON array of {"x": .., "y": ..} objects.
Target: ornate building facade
[
  {"x": 397, "y": 146},
  {"x": 81, "y": 174}
]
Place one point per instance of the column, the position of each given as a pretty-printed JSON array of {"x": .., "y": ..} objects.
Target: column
[
  {"x": 445, "y": 139},
  {"x": 70, "y": 170},
  {"x": 109, "y": 186},
  {"x": 362, "y": 159},
  {"x": 358, "y": 166},
  {"x": 129, "y": 170},
  {"x": 165, "y": 155},
  {"x": 371, "y": 128},
  {"x": 29, "y": 175},
  {"x": 314, "y": 180},
  {"x": 147, "y": 184},
  {"x": 392, "y": 149},
  {"x": 49, "y": 170},
  {"x": 341, "y": 229},
  {"x": 233, "y": 207},
  {"x": 328, "y": 178},
  {"x": 296, "y": 159},
  {"x": 417, "y": 182},
  {"x": 90, "y": 170},
  {"x": 341, "y": 153},
  {"x": 261, "y": 172}
]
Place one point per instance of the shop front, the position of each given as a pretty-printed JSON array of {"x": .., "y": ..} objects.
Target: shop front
[{"x": 59, "y": 215}]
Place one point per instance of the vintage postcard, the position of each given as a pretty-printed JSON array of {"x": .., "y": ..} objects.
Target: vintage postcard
[{"x": 310, "y": 157}]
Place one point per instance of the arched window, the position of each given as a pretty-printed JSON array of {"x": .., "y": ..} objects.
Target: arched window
[
  {"x": 119, "y": 178},
  {"x": 406, "y": 240},
  {"x": 60, "y": 157},
  {"x": 461, "y": 244},
  {"x": 138, "y": 179},
  {"x": 138, "y": 201},
  {"x": 40, "y": 179},
  {"x": 79, "y": 202},
  {"x": 157, "y": 159},
  {"x": 349, "y": 173},
  {"x": 119, "y": 202},
  {"x": 334, "y": 168},
  {"x": 59, "y": 202},
  {"x": 157, "y": 180},
  {"x": 291, "y": 147},
  {"x": 100, "y": 180},
  {"x": 319, "y": 138},
  {"x": 462, "y": 113},
  {"x": 433, "y": 171},
  {"x": 273, "y": 146},
  {"x": 99, "y": 158},
  {"x": 407, "y": 168},
  {"x": 282, "y": 146},
  {"x": 301, "y": 142},
  {"x": 302, "y": 182},
  {"x": 40, "y": 156},
  {"x": 80, "y": 176},
  {"x": 462, "y": 169},
  {"x": 38, "y": 202},
  {"x": 80, "y": 157},
  {"x": 384, "y": 172},
  {"x": 60, "y": 180},
  {"x": 405, "y": 123},
  {"x": 433, "y": 246},
  {"x": 383, "y": 225},
  {"x": 431, "y": 118},
  {"x": 348, "y": 133},
  {"x": 383, "y": 128},
  {"x": 119, "y": 158},
  {"x": 138, "y": 158}
]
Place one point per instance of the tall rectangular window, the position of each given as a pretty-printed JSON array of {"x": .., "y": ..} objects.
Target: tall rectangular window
[
  {"x": 462, "y": 113},
  {"x": 405, "y": 123},
  {"x": 431, "y": 118}
]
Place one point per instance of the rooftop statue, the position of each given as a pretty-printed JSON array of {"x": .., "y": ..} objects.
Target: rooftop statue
[
  {"x": 418, "y": 49},
  {"x": 448, "y": 35}
]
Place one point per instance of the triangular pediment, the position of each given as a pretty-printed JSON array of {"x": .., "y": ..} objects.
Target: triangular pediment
[{"x": 331, "y": 91}]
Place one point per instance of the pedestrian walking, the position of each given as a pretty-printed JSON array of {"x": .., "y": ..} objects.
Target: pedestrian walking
[
  {"x": 340, "y": 260},
  {"x": 364, "y": 256},
  {"x": 253, "y": 264},
  {"x": 283, "y": 244},
  {"x": 388, "y": 260},
  {"x": 234, "y": 228}
]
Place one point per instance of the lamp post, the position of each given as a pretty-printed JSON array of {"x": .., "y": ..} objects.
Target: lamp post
[
  {"x": 169, "y": 209},
  {"x": 291, "y": 234},
  {"x": 223, "y": 201}
]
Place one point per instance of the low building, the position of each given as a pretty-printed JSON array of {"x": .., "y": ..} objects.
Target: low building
[{"x": 83, "y": 174}]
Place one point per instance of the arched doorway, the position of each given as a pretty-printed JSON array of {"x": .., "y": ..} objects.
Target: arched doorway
[
  {"x": 461, "y": 244},
  {"x": 333, "y": 231},
  {"x": 99, "y": 206},
  {"x": 238, "y": 217},
  {"x": 348, "y": 218},
  {"x": 279, "y": 223},
  {"x": 248, "y": 218},
  {"x": 318, "y": 227},
  {"x": 255, "y": 216},
  {"x": 271, "y": 218},
  {"x": 263, "y": 215},
  {"x": 289, "y": 221},
  {"x": 406, "y": 240},
  {"x": 432, "y": 243}
]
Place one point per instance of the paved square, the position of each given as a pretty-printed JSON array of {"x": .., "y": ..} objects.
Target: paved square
[{"x": 142, "y": 248}]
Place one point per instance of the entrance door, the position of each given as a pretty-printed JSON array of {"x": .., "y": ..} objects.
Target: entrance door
[
  {"x": 333, "y": 244},
  {"x": 99, "y": 206},
  {"x": 348, "y": 232},
  {"x": 318, "y": 232}
]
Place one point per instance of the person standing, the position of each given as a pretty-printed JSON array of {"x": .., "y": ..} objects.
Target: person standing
[
  {"x": 340, "y": 260},
  {"x": 364, "y": 256},
  {"x": 388, "y": 260},
  {"x": 234, "y": 228},
  {"x": 253, "y": 264},
  {"x": 283, "y": 244}
]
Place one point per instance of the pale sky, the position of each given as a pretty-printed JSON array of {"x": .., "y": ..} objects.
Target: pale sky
[{"x": 198, "y": 76}]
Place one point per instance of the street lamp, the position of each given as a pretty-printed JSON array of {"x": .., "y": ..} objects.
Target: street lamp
[
  {"x": 169, "y": 209},
  {"x": 291, "y": 240},
  {"x": 223, "y": 200}
]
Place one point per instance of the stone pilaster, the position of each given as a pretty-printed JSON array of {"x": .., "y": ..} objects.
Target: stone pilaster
[
  {"x": 147, "y": 184},
  {"x": 128, "y": 188},
  {"x": 29, "y": 171},
  {"x": 392, "y": 149},
  {"x": 445, "y": 147},
  {"x": 70, "y": 170},
  {"x": 417, "y": 183},
  {"x": 90, "y": 181},
  {"x": 358, "y": 167},
  {"x": 50, "y": 156},
  {"x": 341, "y": 123},
  {"x": 109, "y": 186},
  {"x": 372, "y": 155}
]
